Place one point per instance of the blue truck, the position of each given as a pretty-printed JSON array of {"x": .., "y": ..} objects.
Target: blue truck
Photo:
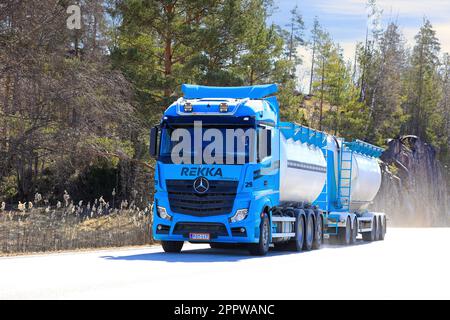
[{"x": 275, "y": 184}]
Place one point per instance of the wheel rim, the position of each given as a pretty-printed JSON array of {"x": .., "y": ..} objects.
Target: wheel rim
[
  {"x": 265, "y": 233},
  {"x": 319, "y": 231}
]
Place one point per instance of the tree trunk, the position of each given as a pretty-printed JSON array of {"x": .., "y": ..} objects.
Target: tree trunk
[
  {"x": 168, "y": 63},
  {"x": 321, "y": 94},
  {"x": 312, "y": 67}
]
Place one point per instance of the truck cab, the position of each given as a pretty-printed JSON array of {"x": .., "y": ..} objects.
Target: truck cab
[{"x": 222, "y": 199}]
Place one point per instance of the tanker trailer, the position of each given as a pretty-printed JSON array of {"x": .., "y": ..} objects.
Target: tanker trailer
[
  {"x": 293, "y": 187},
  {"x": 354, "y": 177}
]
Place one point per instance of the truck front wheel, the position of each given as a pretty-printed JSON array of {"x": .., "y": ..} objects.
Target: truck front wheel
[
  {"x": 172, "y": 246},
  {"x": 262, "y": 247}
]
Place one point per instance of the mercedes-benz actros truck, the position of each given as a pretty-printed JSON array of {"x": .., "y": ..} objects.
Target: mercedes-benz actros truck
[{"x": 230, "y": 173}]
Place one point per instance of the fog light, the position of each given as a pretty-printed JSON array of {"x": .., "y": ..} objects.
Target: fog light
[
  {"x": 159, "y": 227},
  {"x": 162, "y": 213},
  {"x": 242, "y": 230},
  {"x": 239, "y": 216},
  {"x": 223, "y": 107},
  {"x": 188, "y": 107}
]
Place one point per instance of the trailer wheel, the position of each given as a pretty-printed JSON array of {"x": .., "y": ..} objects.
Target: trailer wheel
[
  {"x": 378, "y": 233},
  {"x": 262, "y": 247},
  {"x": 172, "y": 246},
  {"x": 354, "y": 231},
  {"x": 345, "y": 234},
  {"x": 383, "y": 228},
  {"x": 318, "y": 237},
  {"x": 297, "y": 243},
  {"x": 309, "y": 234},
  {"x": 371, "y": 235}
]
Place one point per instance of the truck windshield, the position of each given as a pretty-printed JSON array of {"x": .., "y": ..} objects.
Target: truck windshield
[{"x": 216, "y": 145}]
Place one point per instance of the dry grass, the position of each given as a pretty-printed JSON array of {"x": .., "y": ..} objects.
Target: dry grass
[{"x": 39, "y": 230}]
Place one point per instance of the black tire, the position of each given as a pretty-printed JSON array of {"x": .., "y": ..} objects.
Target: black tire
[
  {"x": 262, "y": 247},
  {"x": 345, "y": 233},
  {"x": 354, "y": 231},
  {"x": 318, "y": 236},
  {"x": 383, "y": 228},
  {"x": 172, "y": 246},
  {"x": 376, "y": 229},
  {"x": 298, "y": 242},
  {"x": 371, "y": 236},
  {"x": 309, "y": 233}
]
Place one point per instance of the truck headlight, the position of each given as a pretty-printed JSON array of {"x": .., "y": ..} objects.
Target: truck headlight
[
  {"x": 239, "y": 216},
  {"x": 162, "y": 213}
]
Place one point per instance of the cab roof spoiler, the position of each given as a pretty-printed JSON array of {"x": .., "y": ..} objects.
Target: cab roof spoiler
[{"x": 252, "y": 92}]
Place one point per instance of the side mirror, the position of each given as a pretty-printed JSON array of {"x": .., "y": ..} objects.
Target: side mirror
[{"x": 154, "y": 134}]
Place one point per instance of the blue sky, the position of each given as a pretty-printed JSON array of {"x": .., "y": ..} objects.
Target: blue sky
[{"x": 346, "y": 20}]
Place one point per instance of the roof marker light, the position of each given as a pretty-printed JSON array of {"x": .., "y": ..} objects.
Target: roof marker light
[
  {"x": 223, "y": 107},
  {"x": 188, "y": 107}
]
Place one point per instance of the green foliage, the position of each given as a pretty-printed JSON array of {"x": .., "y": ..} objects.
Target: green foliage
[
  {"x": 423, "y": 83},
  {"x": 8, "y": 187}
]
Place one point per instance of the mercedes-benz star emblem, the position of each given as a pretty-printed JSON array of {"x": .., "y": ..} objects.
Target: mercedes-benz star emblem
[{"x": 201, "y": 185}]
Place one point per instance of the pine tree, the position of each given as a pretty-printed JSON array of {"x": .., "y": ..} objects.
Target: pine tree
[
  {"x": 423, "y": 83},
  {"x": 386, "y": 93},
  {"x": 315, "y": 35}
]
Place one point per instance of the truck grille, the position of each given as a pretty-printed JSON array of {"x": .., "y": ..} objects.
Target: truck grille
[{"x": 217, "y": 200}]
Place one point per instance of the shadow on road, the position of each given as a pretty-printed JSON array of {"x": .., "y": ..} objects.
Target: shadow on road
[
  {"x": 214, "y": 255},
  {"x": 197, "y": 255}
]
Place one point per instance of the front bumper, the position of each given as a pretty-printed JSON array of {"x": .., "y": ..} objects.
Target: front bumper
[{"x": 218, "y": 227}]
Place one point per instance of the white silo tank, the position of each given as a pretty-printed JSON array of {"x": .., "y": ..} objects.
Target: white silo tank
[
  {"x": 302, "y": 171},
  {"x": 366, "y": 181}
]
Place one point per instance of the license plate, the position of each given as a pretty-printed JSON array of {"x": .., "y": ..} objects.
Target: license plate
[{"x": 199, "y": 236}]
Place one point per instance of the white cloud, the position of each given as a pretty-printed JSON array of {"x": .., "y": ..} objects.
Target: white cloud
[
  {"x": 348, "y": 48},
  {"x": 412, "y": 10},
  {"x": 405, "y": 8},
  {"x": 435, "y": 8},
  {"x": 442, "y": 33}
]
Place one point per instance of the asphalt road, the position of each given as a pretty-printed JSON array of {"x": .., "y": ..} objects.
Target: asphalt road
[{"x": 410, "y": 263}]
